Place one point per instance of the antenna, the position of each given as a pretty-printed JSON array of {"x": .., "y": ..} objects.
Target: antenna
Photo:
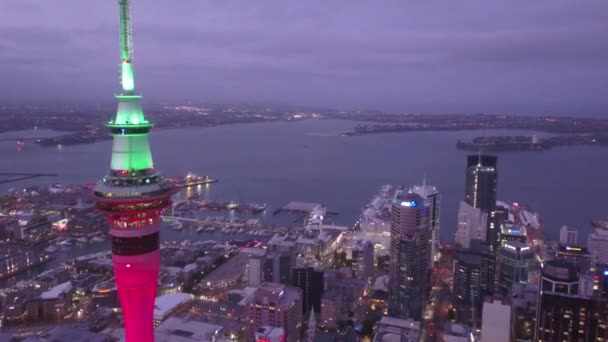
[
  {"x": 126, "y": 48},
  {"x": 126, "y": 32}
]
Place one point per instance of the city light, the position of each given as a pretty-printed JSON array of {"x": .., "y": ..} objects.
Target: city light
[{"x": 409, "y": 204}]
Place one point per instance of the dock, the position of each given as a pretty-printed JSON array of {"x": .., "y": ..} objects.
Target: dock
[
  {"x": 192, "y": 179},
  {"x": 301, "y": 207},
  {"x": 198, "y": 182}
]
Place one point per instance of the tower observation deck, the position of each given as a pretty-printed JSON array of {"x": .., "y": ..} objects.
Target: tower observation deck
[{"x": 132, "y": 196}]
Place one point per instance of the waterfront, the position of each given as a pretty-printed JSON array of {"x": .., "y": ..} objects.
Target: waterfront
[{"x": 306, "y": 161}]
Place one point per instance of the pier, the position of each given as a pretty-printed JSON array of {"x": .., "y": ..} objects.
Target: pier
[{"x": 301, "y": 207}]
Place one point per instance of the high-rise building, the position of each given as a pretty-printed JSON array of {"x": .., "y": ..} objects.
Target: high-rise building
[
  {"x": 474, "y": 274},
  {"x": 273, "y": 267},
  {"x": 255, "y": 270},
  {"x": 132, "y": 197},
  {"x": 351, "y": 291},
  {"x": 409, "y": 253},
  {"x": 514, "y": 262},
  {"x": 282, "y": 265},
  {"x": 511, "y": 232},
  {"x": 497, "y": 218},
  {"x": 577, "y": 256},
  {"x": 363, "y": 259},
  {"x": 601, "y": 281},
  {"x": 568, "y": 236},
  {"x": 597, "y": 244},
  {"x": 560, "y": 277},
  {"x": 432, "y": 197},
  {"x": 481, "y": 182},
  {"x": 472, "y": 225},
  {"x": 275, "y": 305},
  {"x": 524, "y": 299},
  {"x": 480, "y": 193},
  {"x": 311, "y": 281},
  {"x": 565, "y": 315},
  {"x": 331, "y": 309},
  {"x": 496, "y": 322}
]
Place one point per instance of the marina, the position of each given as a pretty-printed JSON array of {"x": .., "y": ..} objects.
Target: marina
[
  {"x": 223, "y": 226},
  {"x": 196, "y": 204}
]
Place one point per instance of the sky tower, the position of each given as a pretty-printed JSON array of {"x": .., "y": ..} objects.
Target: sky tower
[{"x": 132, "y": 197}]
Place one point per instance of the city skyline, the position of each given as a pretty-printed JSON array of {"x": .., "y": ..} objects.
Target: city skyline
[
  {"x": 260, "y": 231},
  {"x": 511, "y": 57}
]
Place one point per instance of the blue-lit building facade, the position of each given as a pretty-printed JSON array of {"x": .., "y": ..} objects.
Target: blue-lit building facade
[{"x": 409, "y": 252}]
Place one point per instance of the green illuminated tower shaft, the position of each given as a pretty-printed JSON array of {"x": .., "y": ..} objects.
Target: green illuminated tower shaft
[{"x": 132, "y": 196}]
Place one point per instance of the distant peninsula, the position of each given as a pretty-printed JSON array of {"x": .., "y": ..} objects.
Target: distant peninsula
[{"x": 84, "y": 124}]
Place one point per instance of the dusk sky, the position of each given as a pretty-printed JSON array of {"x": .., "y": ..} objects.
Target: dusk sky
[{"x": 516, "y": 56}]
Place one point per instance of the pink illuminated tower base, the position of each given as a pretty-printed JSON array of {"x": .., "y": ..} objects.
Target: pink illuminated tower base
[{"x": 136, "y": 280}]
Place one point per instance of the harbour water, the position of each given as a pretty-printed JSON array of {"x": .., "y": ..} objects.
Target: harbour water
[{"x": 306, "y": 161}]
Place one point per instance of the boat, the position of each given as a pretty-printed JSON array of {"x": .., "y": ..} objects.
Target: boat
[
  {"x": 200, "y": 229},
  {"x": 50, "y": 249},
  {"x": 65, "y": 242},
  {"x": 232, "y": 205},
  {"x": 177, "y": 225},
  {"x": 603, "y": 224},
  {"x": 82, "y": 239},
  {"x": 192, "y": 179},
  {"x": 257, "y": 208}
]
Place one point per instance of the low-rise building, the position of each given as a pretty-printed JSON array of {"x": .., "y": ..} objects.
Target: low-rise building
[
  {"x": 165, "y": 306},
  {"x": 396, "y": 329},
  {"x": 176, "y": 329}
]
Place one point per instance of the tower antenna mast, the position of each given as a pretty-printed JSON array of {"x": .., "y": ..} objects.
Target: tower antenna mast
[{"x": 126, "y": 48}]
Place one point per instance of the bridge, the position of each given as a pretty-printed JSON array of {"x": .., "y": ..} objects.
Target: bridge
[{"x": 22, "y": 176}]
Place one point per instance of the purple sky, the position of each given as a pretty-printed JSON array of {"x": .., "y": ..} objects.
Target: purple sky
[{"x": 522, "y": 56}]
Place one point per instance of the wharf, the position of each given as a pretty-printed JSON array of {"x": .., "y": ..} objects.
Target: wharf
[
  {"x": 301, "y": 207},
  {"x": 185, "y": 183}
]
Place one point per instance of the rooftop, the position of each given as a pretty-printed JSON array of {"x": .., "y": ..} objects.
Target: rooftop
[
  {"x": 56, "y": 291},
  {"x": 163, "y": 305},
  {"x": 270, "y": 333},
  {"x": 425, "y": 190},
  {"x": 61, "y": 333},
  {"x": 393, "y": 329},
  {"x": 177, "y": 329},
  {"x": 231, "y": 269},
  {"x": 286, "y": 294},
  {"x": 560, "y": 270},
  {"x": 495, "y": 320}
]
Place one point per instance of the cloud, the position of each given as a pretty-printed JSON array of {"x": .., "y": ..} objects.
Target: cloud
[
  {"x": 422, "y": 55},
  {"x": 21, "y": 6}
]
